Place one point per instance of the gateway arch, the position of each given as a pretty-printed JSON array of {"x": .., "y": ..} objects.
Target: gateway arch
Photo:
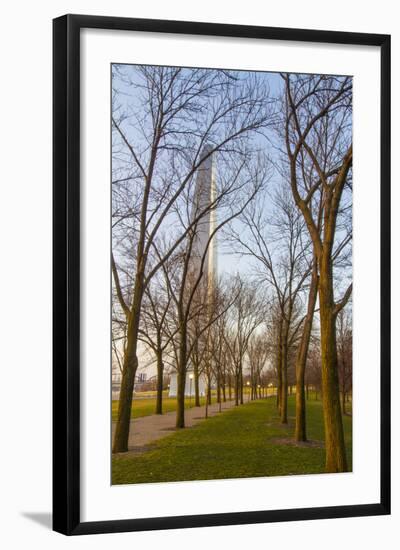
[{"x": 204, "y": 250}]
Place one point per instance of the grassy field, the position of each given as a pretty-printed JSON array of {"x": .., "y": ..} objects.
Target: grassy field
[
  {"x": 144, "y": 403},
  {"x": 246, "y": 441},
  {"x": 147, "y": 406}
]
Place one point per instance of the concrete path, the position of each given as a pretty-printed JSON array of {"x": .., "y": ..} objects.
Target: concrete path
[{"x": 147, "y": 429}]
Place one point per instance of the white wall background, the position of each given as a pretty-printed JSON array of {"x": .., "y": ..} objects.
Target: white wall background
[{"x": 25, "y": 305}]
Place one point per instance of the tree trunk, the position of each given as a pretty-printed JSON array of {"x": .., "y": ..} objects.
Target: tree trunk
[
  {"x": 219, "y": 400},
  {"x": 181, "y": 380},
  {"x": 196, "y": 385},
  {"x": 241, "y": 384},
  {"x": 236, "y": 389},
  {"x": 301, "y": 360},
  {"x": 343, "y": 393},
  {"x": 121, "y": 436},
  {"x": 208, "y": 393},
  {"x": 284, "y": 386},
  {"x": 130, "y": 365},
  {"x": 343, "y": 387},
  {"x": 180, "y": 400},
  {"x": 160, "y": 376},
  {"x": 334, "y": 438},
  {"x": 283, "y": 398},
  {"x": 279, "y": 371}
]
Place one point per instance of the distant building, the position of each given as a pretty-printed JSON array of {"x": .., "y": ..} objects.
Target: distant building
[
  {"x": 141, "y": 377},
  {"x": 203, "y": 260},
  {"x": 116, "y": 378},
  {"x": 189, "y": 387},
  {"x": 205, "y": 243}
]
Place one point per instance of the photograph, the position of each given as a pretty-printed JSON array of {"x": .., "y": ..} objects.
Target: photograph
[
  {"x": 231, "y": 273},
  {"x": 207, "y": 357}
]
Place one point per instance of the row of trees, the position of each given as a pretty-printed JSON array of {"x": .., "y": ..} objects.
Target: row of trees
[
  {"x": 282, "y": 204},
  {"x": 159, "y": 138}
]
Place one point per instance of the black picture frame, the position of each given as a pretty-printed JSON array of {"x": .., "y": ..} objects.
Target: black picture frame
[{"x": 66, "y": 273}]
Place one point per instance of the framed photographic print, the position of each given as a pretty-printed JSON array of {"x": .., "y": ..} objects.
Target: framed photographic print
[{"x": 221, "y": 274}]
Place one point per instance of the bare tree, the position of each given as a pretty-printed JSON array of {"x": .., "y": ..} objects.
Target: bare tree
[
  {"x": 313, "y": 370},
  {"x": 275, "y": 241},
  {"x": 154, "y": 331},
  {"x": 345, "y": 354},
  {"x": 257, "y": 352},
  {"x": 247, "y": 313},
  {"x": 302, "y": 355},
  {"x": 197, "y": 342},
  {"x": 215, "y": 342},
  {"x": 318, "y": 141}
]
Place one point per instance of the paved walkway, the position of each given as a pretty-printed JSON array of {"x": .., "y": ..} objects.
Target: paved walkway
[{"x": 147, "y": 429}]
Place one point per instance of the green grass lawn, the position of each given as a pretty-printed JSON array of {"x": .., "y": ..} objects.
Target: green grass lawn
[
  {"x": 241, "y": 442},
  {"x": 147, "y": 406}
]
